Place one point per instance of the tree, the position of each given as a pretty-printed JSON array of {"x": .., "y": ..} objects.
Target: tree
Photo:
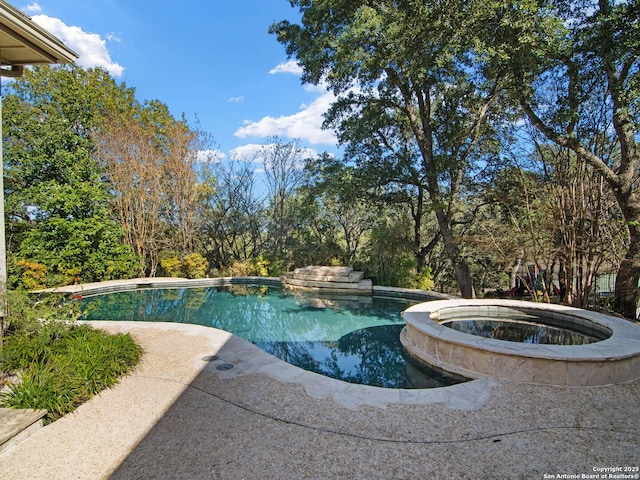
[
  {"x": 341, "y": 202},
  {"x": 588, "y": 221},
  {"x": 152, "y": 162},
  {"x": 388, "y": 161},
  {"x": 410, "y": 62},
  {"x": 567, "y": 63},
  {"x": 283, "y": 167},
  {"x": 128, "y": 151},
  {"x": 388, "y": 258},
  {"x": 186, "y": 170},
  {"x": 234, "y": 228},
  {"x": 518, "y": 226},
  {"x": 57, "y": 205}
]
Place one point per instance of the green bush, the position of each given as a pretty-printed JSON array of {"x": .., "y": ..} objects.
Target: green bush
[
  {"x": 171, "y": 266},
  {"x": 255, "y": 267},
  {"x": 260, "y": 266},
  {"x": 424, "y": 280},
  {"x": 45, "y": 386},
  {"x": 274, "y": 265},
  {"x": 33, "y": 274},
  {"x": 29, "y": 313},
  {"x": 195, "y": 266},
  {"x": 60, "y": 364}
]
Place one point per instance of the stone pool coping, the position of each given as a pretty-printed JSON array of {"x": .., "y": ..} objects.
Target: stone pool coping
[
  {"x": 613, "y": 360},
  {"x": 112, "y": 286}
]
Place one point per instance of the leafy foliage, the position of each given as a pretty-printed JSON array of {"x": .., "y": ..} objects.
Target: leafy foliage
[
  {"x": 195, "y": 265},
  {"x": 60, "y": 364},
  {"x": 574, "y": 68},
  {"x": 33, "y": 276},
  {"x": 171, "y": 266},
  {"x": 57, "y": 203},
  {"x": 422, "y": 114},
  {"x": 441, "y": 183},
  {"x": 258, "y": 266}
]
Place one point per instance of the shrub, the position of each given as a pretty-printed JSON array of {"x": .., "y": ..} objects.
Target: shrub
[
  {"x": 262, "y": 266},
  {"x": 171, "y": 266},
  {"x": 33, "y": 276},
  {"x": 195, "y": 266},
  {"x": 68, "y": 370},
  {"x": 44, "y": 386},
  {"x": 424, "y": 280},
  {"x": 254, "y": 267},
  {"x": 274, "y": 265},
  {"x": 28, "y": 313},
  {"x": 60, "y": 364}
]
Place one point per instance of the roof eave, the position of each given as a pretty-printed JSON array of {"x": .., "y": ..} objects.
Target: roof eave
[{"x": 30, "y": 34}]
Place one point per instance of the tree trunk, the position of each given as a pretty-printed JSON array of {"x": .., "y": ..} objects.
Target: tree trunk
[
  {"x": 515, "y": 268},
  {"x": 426, "y": 251},
  {"x": 622, "y": 182},
  {"x": 417, "y": 231},
  {"x": 627, "y": 294},
  {"x": 627, "y": 297},
  {"x": 460, "y": 267}
]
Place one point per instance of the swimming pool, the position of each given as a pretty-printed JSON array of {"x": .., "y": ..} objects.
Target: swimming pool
[{"x": 355, "y": 339}]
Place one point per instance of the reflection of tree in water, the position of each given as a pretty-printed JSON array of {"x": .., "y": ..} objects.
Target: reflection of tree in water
[
  {"x": 247, "y": 289},
  {"x": 381, "y": 361},
  {"x": 280, "y": 323},
  {"x": 255, "y": 312},
  {"x": 295, "y": 353},
  {"x": 370, "y": 356},
  {"x": 388, "y": 309},
  {"x": 131, "y": 305},
  {"x": 155, "y": 305}
]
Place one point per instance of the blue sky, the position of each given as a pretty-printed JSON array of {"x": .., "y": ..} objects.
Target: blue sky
[{"x": 210, "y": 59}]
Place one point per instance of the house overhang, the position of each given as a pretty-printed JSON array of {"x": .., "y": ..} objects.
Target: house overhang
[{"x": 23, "y": 42}]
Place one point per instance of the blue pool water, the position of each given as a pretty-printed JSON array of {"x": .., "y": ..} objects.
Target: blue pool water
[{"x": 355, "y": 339}]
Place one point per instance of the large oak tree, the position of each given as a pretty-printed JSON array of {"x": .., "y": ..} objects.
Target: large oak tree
[
  {"x": 409, "y": 62},
  {"x": 568, "y": 63}
]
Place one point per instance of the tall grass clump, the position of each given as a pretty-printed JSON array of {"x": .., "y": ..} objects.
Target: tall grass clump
[{"x": 57, "y": 364}]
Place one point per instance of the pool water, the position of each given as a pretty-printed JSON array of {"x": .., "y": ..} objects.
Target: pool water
[
  {"x": 355, "y": 339},
  {"x": 524, "y": 329}
]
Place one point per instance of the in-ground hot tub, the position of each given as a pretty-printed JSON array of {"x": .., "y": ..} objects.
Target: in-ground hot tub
[{"x": 612, "y": 356}]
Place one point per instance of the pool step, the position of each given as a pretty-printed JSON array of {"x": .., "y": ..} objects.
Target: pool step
[
  {"x": 328, "y": 274},
  {"x": 18, "y": 424},
  {"x": 329, "y": 278},
  {"x": 361, "y": 285}
]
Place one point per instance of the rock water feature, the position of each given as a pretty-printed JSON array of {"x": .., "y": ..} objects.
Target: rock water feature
[{"x": 329, "y": 279}]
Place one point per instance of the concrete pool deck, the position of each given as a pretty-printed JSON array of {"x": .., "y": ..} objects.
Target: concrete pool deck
[{"x": 179, "y": 416}]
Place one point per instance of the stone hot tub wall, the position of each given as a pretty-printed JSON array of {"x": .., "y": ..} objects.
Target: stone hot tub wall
[{"x": 613, "y": 360}]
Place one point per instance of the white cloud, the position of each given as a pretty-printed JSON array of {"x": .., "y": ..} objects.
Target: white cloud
[
  {"x": 235, "y": 99},
  {"x": 316, "y": 87},
  {"x": 210, "y": 156},
  {"x": 305, "y": 125},
  {"x": 33, "y": 8},
  {"x": 290, "y": 66},
  {"x": 251, "y": 152},
  {"x": 255, "y": 153},
  {"x": 112, "y": 37},
  {"x": 90, "y": 47}
]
